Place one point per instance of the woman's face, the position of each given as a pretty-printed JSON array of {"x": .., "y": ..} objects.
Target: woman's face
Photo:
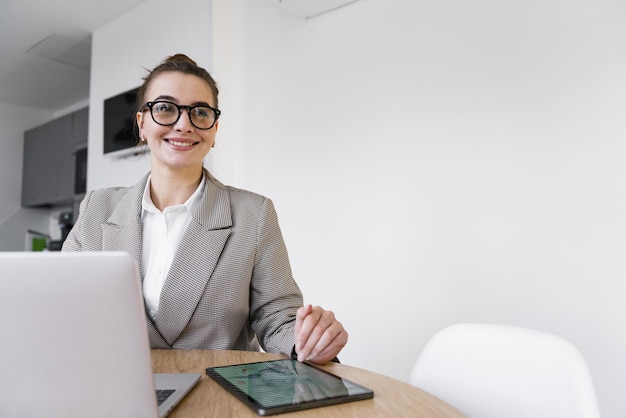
[{"x": 181, "y": 145}]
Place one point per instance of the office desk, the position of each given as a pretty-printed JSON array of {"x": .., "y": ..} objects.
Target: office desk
[{"x": 392, "y": 398}]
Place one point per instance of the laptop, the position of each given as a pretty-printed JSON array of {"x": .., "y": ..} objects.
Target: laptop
[{"x": 74, "y": 339}]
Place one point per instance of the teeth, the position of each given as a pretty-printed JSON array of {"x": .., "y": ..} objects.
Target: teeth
[{"x": 181, "y": 144}]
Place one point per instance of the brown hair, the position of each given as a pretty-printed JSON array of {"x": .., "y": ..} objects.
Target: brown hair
[{"x": 176, "y": 63}]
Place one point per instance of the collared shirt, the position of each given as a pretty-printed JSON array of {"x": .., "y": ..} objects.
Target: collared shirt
[{"x": 161, "y": 234}]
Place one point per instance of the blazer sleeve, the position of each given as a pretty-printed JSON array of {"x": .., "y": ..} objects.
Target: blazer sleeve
[{"x": 274, "y": 294}]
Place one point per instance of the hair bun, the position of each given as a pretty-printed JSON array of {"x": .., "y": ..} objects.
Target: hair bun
[
  {"x": 179, "y": 58},
  {"x": 180, "y": 63}
]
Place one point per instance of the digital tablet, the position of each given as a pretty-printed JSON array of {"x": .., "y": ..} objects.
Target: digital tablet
[{"x": 277, "y": 386}]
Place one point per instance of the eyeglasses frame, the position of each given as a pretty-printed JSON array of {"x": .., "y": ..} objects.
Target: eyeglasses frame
[{"x": 149, "y": 105}]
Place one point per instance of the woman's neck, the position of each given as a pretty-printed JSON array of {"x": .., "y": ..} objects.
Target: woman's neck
[{"x": 172, "y": 188}]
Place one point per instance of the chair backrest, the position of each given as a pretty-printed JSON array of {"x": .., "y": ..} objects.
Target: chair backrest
[{"x": 496, "y": 371}]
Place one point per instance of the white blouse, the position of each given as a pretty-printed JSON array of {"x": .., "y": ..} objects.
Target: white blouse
[{"x": 161, "y": 234}]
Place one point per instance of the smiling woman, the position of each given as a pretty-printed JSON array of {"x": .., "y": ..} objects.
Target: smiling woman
[
  {"x": 214, "y": 266},
  {"x": 177, "y": 144}
]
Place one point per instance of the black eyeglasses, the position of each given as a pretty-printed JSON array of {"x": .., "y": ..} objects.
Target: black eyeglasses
[{"x": 167, "y": 113}]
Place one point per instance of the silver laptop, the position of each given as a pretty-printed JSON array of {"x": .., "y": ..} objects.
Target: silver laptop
[{"x": 74, "y": 341}]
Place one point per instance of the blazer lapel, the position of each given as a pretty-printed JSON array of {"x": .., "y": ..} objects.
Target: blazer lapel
[
  {"x": 122, "y": 232},
  {"x": 197, "y": 255}
]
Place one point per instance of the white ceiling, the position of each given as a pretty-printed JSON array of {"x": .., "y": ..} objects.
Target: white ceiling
[
  {"x": 309, "y": 9},
  {"x": 45, "y": 45},
  {"x": 45, "y": 49}
]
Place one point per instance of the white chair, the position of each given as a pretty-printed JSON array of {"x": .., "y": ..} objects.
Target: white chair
[{"x": 500, "y": 371}]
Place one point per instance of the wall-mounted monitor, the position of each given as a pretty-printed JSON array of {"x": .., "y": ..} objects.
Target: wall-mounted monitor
[{"x": 120, "y": 135}]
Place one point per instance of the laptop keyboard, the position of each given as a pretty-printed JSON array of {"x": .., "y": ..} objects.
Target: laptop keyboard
[{"x": 163, "y": 394}]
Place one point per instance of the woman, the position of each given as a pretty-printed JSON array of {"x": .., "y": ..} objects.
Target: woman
[{"x": 214, "y": 266}]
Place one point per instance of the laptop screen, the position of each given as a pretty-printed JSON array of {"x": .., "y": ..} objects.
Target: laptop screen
[{"x": 74, "y": 333}]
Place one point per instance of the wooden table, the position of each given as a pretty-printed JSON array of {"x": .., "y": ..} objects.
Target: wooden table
[{"x": 392, "y": 398}]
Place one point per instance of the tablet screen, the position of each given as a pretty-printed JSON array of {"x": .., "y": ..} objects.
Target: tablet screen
[{"x": 276, "y": 386}]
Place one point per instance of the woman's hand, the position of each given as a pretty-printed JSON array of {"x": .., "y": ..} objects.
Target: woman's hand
[{"x": 319, "y": 336}]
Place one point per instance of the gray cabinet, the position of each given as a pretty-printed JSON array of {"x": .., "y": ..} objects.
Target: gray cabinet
[{"x": 50, "y": 160}]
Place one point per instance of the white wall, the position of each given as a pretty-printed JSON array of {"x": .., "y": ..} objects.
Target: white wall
[
  {"x": 122, "y": 50},
  {"x": 440, "y": 162},
  {"x": 431, "y": 162}
]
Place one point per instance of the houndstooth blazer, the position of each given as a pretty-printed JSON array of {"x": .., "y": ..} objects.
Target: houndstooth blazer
[{"x": 230, "y": 285}]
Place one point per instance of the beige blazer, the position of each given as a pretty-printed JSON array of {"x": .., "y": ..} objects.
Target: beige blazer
[{"x": 230, "y": 281}]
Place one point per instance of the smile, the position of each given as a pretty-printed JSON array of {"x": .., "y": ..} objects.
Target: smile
[{"x": 180, "y": 143}]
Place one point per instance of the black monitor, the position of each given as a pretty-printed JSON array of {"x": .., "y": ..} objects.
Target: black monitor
[{"x": 119, "y": 122}]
